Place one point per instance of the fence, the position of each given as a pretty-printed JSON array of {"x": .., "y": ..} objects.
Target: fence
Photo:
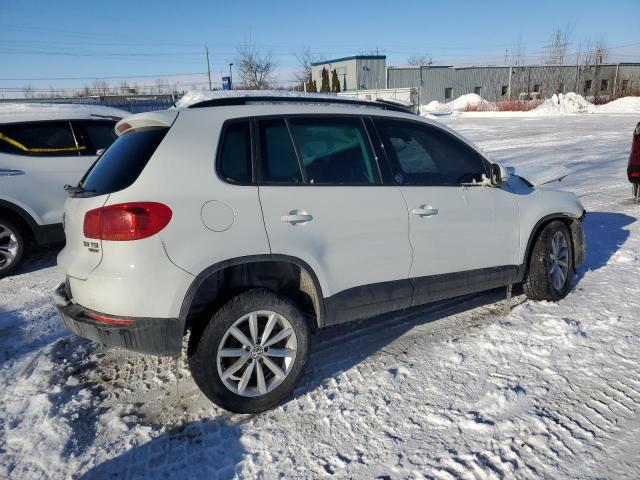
[{"x": 132, "y": 104}]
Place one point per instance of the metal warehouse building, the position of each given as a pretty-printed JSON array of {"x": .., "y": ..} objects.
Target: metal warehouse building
[
  {"x": 445, "y": 83},
  {"x": 359, "y": 72}
]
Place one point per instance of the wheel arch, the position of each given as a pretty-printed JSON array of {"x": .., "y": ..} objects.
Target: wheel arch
[
  {"x": 283, "y": 274},
  {"x": 22, "y": 218},
  {"x": 569, "y": 221}
]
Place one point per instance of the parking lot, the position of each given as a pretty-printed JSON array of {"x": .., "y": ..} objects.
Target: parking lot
[{"x": 455, "y": 390}]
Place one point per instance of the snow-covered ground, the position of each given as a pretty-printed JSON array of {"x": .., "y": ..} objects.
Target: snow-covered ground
[{"x": 455, "y": 391}]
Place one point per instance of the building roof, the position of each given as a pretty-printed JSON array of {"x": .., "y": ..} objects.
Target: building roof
[
  {"x": 353, "y": 57},
  {"x": 411, "y": 67}
]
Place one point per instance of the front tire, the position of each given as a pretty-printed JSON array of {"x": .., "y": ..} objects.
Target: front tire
[
  {"x": 252, "y": 352},
  {"x": 12, "y": 247},
  {"x": 550, "y": 268}
]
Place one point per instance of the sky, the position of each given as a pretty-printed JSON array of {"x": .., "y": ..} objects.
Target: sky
[{"x": 67, "y": 44}]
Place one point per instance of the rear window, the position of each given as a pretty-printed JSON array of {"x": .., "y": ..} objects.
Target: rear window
[
  {"x": 40, "y": 139},
  {"x": 123, "y": 162}
]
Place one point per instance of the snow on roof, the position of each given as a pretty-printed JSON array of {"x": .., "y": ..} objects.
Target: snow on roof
[
  {"x": 26, "y": 112},
  {"x": 197, "y": 96}
]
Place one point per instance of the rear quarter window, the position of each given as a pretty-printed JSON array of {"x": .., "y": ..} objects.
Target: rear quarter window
[
  {"x": 234, "y": 154},
  {"x": 123, "y": 161}
]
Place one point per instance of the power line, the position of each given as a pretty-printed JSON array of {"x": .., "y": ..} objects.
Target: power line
[{"x": 113, "y": 77}]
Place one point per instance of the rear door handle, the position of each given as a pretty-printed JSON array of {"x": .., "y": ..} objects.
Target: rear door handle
[
  {"x": 425, "y": 211},
  {"x": 297, "y": 216},
  {"x": 7, "y": 172}
]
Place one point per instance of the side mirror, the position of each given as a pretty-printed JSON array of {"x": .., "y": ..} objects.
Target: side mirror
[
  {"x": 499, "y": 174},
  {"x": 100, "y": 152}
]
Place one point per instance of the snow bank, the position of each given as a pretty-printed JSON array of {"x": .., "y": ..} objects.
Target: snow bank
[
  {"x": 621, "y": 105},
  {"x": 564, "y": 103},
  {"x": 195, "y": 96},
  {"x": 24, "y": 112},
  {"x": 458, "y": 105}
]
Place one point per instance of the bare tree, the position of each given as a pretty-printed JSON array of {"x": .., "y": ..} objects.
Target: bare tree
[
  {"x": 556, "y": 57},
  {"x": 100, "y": 87},
  {"x": 420, "y": 60},
  {"x": 305, "y": 59},
  {"x": 595, "y": 54},
  {"x": 162, "y": 86},
  {"x": 256, "y": 69},
  {"x": 28, "y": 91}
]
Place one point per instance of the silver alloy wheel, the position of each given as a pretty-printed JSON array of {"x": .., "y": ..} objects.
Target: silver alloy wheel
[
  {"x": 257, "y": 353},
  {"x": 8, "y": 246},
  {"x": 559, "y": 260}
]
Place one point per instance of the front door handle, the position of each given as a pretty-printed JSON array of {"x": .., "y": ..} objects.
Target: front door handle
[
  {"x": 297, "y": 216},
  {"x": 425, "y": 211},
  {"x": 7, "y": 172}
]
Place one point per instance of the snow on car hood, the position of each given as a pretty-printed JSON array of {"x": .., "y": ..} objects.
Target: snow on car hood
[{"x": 536, "y": 175}]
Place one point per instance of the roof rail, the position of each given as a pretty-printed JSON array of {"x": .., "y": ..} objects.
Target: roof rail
[{"x": 232, "y": 101}]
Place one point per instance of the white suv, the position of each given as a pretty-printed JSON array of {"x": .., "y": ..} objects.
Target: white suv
[
  {"x": 42, "y": 148},
  {"x": 253, "y": 222}
]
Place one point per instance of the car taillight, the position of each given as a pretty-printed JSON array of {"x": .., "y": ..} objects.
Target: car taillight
[
  {"x": 634, "y": 157},
  {"x": 126, "y": 221}
]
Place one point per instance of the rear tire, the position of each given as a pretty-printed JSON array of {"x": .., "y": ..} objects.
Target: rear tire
[
  {"x": 635, "y": 190},
  {"x": 550, "y": 268},
  {"x": 12, "y": 247},
  {"x": 252, "y": 352}
]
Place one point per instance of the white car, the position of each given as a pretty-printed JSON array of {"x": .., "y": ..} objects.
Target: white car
[
  {"x": 253, "y": 222},
  {"x": 43, "y": 148}
]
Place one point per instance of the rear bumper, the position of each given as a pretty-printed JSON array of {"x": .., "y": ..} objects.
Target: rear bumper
[{"x": 155, "y": 336}]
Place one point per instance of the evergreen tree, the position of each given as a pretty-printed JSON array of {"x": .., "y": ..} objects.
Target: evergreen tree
[
  {"x": 335, "y": 82},
  {"x": 311, "y": 86},
  {"x": 324, "y": 86}
]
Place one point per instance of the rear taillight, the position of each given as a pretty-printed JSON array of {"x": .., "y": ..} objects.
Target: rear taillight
[
  {"x": 123, "y": 127},
  {"x": 126, "y": 221},
  {"x": 634, "y": 156}
]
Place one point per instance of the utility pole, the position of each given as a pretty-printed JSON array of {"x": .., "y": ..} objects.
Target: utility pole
[
  {"x": 206, "y": 49},
  {"x": 230, "y": 77}
]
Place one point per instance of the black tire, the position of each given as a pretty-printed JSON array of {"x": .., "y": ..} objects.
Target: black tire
[
  {"x": 202, "y": 352},
  {"x": 17, "y": 239},
  {"x": 538, "y": 283}
]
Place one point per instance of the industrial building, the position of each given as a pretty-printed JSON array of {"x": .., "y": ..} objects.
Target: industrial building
[
  {"x": 359, "y": 72},
  {"x": 444, "y": 83}
]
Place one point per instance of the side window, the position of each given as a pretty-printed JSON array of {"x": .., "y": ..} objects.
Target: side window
[
  {"x": 425, "y": 155},
  {"x": 334, "y": 151},
  {"x": 42, "y": 139},
  {"x": 234, "y": 157},
  {"x": 95, "y": 135},
  {"x": 279, "y": 162}
]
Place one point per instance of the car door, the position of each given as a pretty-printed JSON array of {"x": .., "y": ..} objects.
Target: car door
[
  {"x": 463, "y": 231},
  {"x": 323, "y": 202},
  {"x": 37, "y": 159}
]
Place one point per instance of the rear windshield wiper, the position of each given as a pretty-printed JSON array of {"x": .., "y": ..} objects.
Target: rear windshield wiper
[{"x": 75, "y": 190}]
